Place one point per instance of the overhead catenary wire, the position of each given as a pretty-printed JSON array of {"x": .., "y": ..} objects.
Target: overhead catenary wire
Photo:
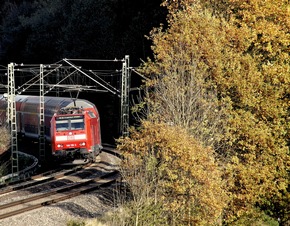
[
  {"x": 21, "y": 89},
  {"x": 97, "y": 60},
  {"x": 113, "y": 88},
  {"x": 66, "y": 76},
  {"x": 81, "y": 71}
]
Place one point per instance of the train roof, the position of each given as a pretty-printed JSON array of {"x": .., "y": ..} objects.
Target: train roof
[
  {"x": 52, "y": 104},
  {"x": 65, "y": 101}
]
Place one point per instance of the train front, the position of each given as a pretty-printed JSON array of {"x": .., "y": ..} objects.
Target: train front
[{"x": 69, "y": 136}]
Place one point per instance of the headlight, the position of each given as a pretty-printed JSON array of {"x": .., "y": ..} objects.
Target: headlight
[
  {"x": 60, "y": 145},
  {"x": 83, "y": 144}
]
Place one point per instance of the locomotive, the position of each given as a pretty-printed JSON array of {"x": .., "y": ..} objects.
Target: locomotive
[{"x": 72, "y": 126}]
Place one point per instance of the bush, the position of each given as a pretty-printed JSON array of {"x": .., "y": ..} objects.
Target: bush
[
  {"x": 4, "y": 139},
  {"x": 173, "y": 178}
]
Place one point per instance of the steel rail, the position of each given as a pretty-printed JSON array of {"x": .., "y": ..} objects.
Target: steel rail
[
  {"x": 41, "y": 178},
  {"x": 57, "y": 195}
]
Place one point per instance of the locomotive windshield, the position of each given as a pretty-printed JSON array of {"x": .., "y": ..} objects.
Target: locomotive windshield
[{"x": 70, "y": 122}]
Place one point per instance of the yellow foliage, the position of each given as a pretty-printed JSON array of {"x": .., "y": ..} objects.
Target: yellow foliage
[
  {"x": 5, "y": 139},
  {"x": 187, "y": 178},
  {"x": 239, "y": 49}
]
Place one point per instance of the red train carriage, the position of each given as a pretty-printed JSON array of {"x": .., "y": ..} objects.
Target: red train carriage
[
  {"x": 75, "y": 131},
  {"x": 73, "y": 141}
]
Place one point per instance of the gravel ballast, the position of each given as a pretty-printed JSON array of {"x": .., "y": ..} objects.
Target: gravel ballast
[{"x": 84, "y": 207}]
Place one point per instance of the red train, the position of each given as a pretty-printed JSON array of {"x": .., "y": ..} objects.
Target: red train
[{"x": 71, "y": 126}]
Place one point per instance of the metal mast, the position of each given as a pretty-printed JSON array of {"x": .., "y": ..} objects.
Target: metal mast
[
  {"x": 125, "y": 89},
  {"x": 11, "y": 119},
  {"x": 41, "y": 116}
]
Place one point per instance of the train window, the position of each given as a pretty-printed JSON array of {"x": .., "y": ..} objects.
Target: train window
[
  {"x": 62, "y": 125},
  {"x": 77, "y": 124}
]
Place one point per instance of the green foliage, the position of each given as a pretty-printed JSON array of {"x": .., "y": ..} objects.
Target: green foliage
[
  {"x": 4, "y": 168},
  {"x": 147, "y": 213},
  {"x": 257, "y": 218},
  {"x": 75, "y": 223}
]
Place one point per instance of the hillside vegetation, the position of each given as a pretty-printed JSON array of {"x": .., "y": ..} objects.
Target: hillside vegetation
[
  {"x": 213, "y": 148},
  {"x": 46, "y": 31}
]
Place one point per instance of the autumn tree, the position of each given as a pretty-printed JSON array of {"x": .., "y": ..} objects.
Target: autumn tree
[
  {"x": 184, "y": 96},
  {"x": 4, "y": 147},
  {"x": 4, "y": 139},
  {"x": 172, "y": 177},
  {"x": 240, "y": 52}
]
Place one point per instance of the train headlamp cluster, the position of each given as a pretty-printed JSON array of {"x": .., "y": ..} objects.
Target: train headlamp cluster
[
  {"x": 83, "y": 144},
  {"x": 60, "y": 145}
]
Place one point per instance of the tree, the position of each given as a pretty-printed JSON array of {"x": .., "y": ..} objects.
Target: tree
[
  {"x": 4, "y": 147},
  {"x": 13, "y": 35},
  {"x": 168, "y": 169},
  {"x": 76, "y": 29},
  {"x": 242, "y": 54},
  {"x": 184, "y": 93},
  {"x": 5, "y": 139}
]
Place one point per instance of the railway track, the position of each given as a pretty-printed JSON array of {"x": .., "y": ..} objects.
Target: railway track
[
  {"x": 40, "y": 179},
  {"x": 56, "y": 195},
  {"x": 43, "y": 190},
  {"x": 110, "y": 149}
]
